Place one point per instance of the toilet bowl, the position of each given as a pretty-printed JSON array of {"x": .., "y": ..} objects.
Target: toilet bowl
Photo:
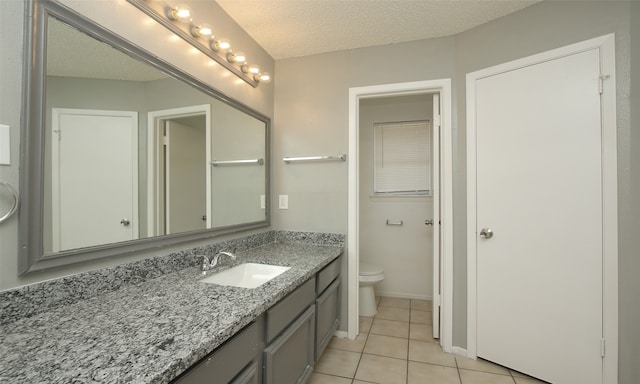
[{"x": 370, "y": 275}]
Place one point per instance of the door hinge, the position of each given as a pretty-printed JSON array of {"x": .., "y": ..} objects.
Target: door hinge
[
  {"x": 436, "y": 300},
  {"x": 602, "y": 347},
  {"x": 601, "y": 80},
  {"x": 436, "y": 120},
  {"x": 165, "y": 140}
]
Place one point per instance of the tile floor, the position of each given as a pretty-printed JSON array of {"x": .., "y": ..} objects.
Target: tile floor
[{"x": 396, "y": 347}]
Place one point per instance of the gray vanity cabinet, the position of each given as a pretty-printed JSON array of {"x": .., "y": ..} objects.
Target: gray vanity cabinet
[
  {"x": 327, "y": 304},
  {"x": 235, "y": 362},
  {"x": 281, "y": 346},
  {"x": 290, "y": 336}
]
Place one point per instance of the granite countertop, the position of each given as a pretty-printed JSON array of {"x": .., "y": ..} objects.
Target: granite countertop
[{"x": 149, "y": 332}]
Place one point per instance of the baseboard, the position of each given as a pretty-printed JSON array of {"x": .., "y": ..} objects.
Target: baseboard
[
  {"x": 459, "y": 351},
  {"x": 401, "y": 295},
  {"x": 341, "y": 334}
]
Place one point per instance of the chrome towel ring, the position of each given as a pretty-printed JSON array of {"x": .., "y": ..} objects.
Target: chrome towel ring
[{"x": 14, "y": 206}]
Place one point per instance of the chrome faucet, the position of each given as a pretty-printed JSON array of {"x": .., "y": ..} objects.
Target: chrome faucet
[{"x": 211, "y": 262}]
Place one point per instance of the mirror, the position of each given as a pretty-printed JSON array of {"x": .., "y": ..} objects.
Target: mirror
[{"x": 123, "y": 152}]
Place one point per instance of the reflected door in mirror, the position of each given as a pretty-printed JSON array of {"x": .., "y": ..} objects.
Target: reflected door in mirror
[{"x": 94, "y": 177}]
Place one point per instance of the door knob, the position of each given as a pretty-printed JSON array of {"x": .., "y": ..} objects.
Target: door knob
[
  {"x": 125, "y": 222},
  {"x": 486, "y": 233},
  {"x": 428, "y": 222}
]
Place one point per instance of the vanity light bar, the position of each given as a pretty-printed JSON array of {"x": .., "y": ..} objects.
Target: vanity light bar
[{"x": 178, "y": 19}]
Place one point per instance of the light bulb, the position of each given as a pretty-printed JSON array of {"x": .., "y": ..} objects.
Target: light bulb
[
  {"x": 236, "y": 57},
  {"x": 180, "y": 12},
  {"x": 264, "y": 77},
  {"x": 252, "y": 69},
  {"x": 202, "y": 30},
  {"x": 220, "y": 45}
]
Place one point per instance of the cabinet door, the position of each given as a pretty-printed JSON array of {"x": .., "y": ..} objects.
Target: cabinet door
[
  {"x": 248, "y": 376},
  {"x": 327, "y": 320},
  {"x": 290, "y": 358},
  {"x": 227, "y": 363}
]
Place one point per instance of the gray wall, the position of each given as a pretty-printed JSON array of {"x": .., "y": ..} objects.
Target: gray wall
[
  {"x": 405, "y": 252},
  {"x": 127, "y": 21},
  {"x": 311, "y": 117}
]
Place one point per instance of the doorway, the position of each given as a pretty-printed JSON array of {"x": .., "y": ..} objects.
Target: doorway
[
  {"x": 442, "y": 243},
  {"x": 396, "y": 192},
  {"x": 542, "y": 206},
  {"x": 179, "y": 153}
]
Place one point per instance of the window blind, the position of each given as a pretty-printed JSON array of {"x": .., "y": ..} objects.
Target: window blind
[{"x": 402, "y": 157}]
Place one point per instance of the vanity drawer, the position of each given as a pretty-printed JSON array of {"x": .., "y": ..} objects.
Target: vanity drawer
[
  {"x": 227, "y": 362},
  {"x": 283, "y": 313},
  {"x": 327, "y": 275}
]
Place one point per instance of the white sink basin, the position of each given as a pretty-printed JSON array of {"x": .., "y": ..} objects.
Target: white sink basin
[{"x": 248, "y": 275}]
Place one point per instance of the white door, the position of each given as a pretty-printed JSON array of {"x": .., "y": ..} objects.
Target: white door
[
  {"x": 435, "y": 221},
  {"x": 94, "y": 177},
  {"x": 185, "y": 178},
  {"x": 539, "y": 192}
]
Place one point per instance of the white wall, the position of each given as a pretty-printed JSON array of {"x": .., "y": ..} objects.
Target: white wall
[
  {"x": 404, "y": 252},
  {"x": 127, "y": 21}
]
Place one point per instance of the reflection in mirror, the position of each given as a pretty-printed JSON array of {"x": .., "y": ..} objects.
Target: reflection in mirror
[{"x": 130, "y": 153}]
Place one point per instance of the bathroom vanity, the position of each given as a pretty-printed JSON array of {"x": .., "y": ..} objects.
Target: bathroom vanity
[
  {"x": 282, "y": 345},
  {"x": 175, "y": 328}
]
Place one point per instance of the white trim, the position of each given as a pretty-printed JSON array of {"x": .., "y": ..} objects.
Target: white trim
[
  {"x": 154, "y": 119},
  {"x": 460, "y": 352},
  {"x": 443, "y": 86},
  {"x": 341, "y": 334},
  {"x": 606, "y": 44}
]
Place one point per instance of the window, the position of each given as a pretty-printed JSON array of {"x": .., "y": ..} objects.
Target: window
[{"x": 402, "y": 157}]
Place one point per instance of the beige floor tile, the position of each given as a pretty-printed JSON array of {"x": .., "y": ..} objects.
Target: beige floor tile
[
  {"x": 421, "y": 317},
  {"x": 390, "y": 328},
  {"x": 321, "y": 378},
  {"x": 386, "y": 346},
  {"x": 396, "y": 314},
  {"x": 477, "y": 377},
  {"x": 395, "y": 302},
  {"x": 520, "y": 375},
  {"x": 338, "y": 363},
  {"x": 422, "y": 332},
  {"x": 427, "y": 352},
  {"x": 528, "y": 380},
  {"x": 481, "y": 365},
  {"x": 420, "y": 373},
  {"x": 356, "y": 345},
  {"x": 365, "y": 324},
  {"x": 382, "y": 370},
  {"x": 421, "y": 305}
]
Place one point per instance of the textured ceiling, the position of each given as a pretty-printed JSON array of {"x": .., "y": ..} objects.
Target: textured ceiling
[{"x": 293, "y": 28}]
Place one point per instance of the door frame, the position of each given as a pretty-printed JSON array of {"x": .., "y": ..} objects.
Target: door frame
[
  {"x": 606, "y": 45},
  {"x": 443, "y": 87},
  {"x": 155, "y": 121}
]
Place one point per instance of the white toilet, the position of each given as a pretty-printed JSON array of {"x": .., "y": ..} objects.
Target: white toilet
[{"x": 370, "y": 274}]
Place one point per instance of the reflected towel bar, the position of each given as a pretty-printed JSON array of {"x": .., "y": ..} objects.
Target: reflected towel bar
[
  {"x": 391, "y": 222},
  {"x": 288, "y": 160},
  {"x": 215, "y": 163}
]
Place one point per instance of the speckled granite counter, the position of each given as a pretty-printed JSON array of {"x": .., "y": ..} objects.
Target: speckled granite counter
[{"x": 152, "y": 331}]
